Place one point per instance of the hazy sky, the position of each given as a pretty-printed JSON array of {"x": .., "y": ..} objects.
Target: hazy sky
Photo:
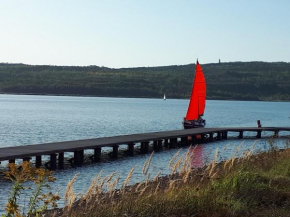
[{"x": 123, "y": 33}]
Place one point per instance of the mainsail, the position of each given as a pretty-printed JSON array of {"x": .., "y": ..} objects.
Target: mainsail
[{"x": 197, "y": 100}]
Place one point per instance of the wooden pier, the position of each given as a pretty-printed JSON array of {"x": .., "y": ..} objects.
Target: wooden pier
[{"x": 159, "y": 140}]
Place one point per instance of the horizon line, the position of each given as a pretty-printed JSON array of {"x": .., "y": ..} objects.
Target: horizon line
[{"x": 27, "y": 64}]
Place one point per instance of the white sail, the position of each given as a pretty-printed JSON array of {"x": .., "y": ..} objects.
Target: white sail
[{"x": 164, "y": 97}]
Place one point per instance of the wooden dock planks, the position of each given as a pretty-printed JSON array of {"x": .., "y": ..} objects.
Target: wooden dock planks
[{"x": 20, "y": 152}]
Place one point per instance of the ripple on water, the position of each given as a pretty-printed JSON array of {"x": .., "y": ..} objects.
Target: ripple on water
[{"x": 41, "y": 119}]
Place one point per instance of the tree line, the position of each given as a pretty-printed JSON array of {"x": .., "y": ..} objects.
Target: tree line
[{"x": 229, "y": 81}]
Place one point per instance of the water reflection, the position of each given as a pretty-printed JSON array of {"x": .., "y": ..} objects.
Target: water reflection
[{"x": 197, "y": 156}]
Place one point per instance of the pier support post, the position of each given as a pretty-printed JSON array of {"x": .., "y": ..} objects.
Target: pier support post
[
  {"x": 12, "y": 161},
  {"x": 210, "y": 137},
  {"x": 78, "y": 158},
  {"x": 202, "y": 138},
  {"x": 198, "y": 139},
  {"x": 82, "y": 156},
  {"x": 38, "y": 161},
  {"x": 193, "y": 140},
  {"x": 115, "y": 151},
  {"x": 155, "y": 145},
  {"x": 276, "y": 134},
  {"x": 160, "y": 145},
  {"x": 225, "y": 135},
  {"x": 241, "y": 135},
  {"x": 26, "y": 159},
  {"x": 166, "y": 143},
  {"x": 219, "y": 136},
  {"x": 144, "y": 147},
  {"x": 259, "y": 132},
  {"x": 184, "y": 141},
  {"x": 52, "y": 165},
  {"x": 131, "y": 149},
  {"x": 173, "y": 143},
  {"x": 60, "y": 160},
  {"x": 97, "y": 154}
]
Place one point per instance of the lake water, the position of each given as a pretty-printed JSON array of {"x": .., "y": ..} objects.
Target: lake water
[{"x": 28, "y": 119}]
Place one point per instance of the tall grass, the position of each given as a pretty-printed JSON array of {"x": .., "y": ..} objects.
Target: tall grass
[
  {"x": 246, "y": 184},
  {"x": 236, "y": 187}
]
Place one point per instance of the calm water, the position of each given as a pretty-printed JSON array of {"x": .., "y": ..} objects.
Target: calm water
[{"x": 41, "y": 119}]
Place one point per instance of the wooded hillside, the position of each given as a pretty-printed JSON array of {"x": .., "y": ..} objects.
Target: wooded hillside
[{"x": 234, "y": 80}]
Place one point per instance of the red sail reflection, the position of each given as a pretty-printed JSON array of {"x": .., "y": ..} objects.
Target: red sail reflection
[{"x": 196, "y": 156}]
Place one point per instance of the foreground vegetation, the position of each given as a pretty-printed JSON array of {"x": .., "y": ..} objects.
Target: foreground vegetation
[
  {"x": 251, "y": 185},
  {"x": 39, "y": 198},
  {"x": 231, "y": 81},
  {"x": 254, "y": 185}
]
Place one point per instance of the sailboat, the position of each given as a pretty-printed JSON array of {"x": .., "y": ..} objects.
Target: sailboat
[
  {"x": 193, "y": 118},
  {"x": 164, "y": 97}
]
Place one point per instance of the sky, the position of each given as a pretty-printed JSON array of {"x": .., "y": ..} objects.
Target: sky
[{"x": 138, "y": 33}]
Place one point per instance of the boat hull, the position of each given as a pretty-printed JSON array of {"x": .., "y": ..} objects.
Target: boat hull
[{"x": 193, "y": 124}]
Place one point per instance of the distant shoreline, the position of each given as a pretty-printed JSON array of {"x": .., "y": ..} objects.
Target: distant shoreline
[
  {"x": 131, "y": 97},
  {"x": 239, "y": 81}
]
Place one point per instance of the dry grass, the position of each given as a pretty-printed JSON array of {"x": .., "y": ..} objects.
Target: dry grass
[{"x": 236, "y": 187}]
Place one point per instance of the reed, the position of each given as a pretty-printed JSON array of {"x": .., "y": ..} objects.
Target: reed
[
  {"x": 186, "y": 165},
  {"x": 113, "y": 186},
  {"x": 235, "y": 155},
  {"x": 186, "y": 176},
  {"x": 69, "y": 195},
  {"x": 143, "y": 191},
  {"x": 240, "y": 186},
  {"x": 173, "y": 159},
  {"x": 127, "y": 180},
  {"x": 147, "y": 164},
  {"x": 90, "y": 191},
  {"x": 225, "y": 147},
  {"x": 177, "y": 165},
  {"x": 157, "y": 188},
  {"x": 155, "y": 179},
  {"x": 211, "y": 167},
  {"x": 138, "y": 187}
]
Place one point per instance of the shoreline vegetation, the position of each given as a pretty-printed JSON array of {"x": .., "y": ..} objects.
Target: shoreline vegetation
[
  {"x": 128, "y": 97},
  {"x": 246, "y": 81},
  {"x": 247, "y": 184}
]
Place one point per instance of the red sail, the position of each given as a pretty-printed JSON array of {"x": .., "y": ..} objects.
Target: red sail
[{"x": 197, "y": 100}]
